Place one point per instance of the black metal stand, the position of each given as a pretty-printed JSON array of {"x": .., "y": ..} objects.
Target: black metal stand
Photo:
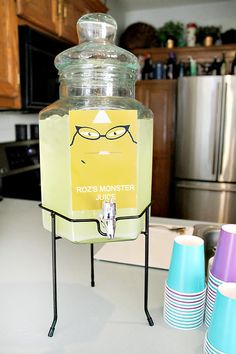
[{"x": 54, "y": 263}]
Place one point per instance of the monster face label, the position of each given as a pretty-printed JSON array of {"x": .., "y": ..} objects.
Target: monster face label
[{"x": 103, "y": 151}]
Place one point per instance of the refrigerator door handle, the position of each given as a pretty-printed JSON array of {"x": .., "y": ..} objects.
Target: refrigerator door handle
[
  {"x": 222, "y": 128},
  {"x": 216, "y": 135}
]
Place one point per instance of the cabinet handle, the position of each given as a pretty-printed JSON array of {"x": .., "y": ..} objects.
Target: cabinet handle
[
  {"x": 59, "y": 8},
  {"x": 223, "y": 129},
  {"x": 216, "y": 134},
  {"x": 65, "y": 12}
]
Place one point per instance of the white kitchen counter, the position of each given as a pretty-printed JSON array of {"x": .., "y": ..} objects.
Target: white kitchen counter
[{"x": 106, "y": 319}]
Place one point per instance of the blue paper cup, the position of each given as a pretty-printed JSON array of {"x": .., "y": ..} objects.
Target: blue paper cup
[
  {"x": 182, "y": 317},
  {"x": 184, "y": 296},
  {"x": 187, "y": 266},
  {"x": 185, "y": 326},
  {"x": 208, "y": 348},
  {"x": 221, "y": 332}
]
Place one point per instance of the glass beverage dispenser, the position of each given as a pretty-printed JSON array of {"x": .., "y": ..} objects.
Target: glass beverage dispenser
[{"x": 96, "y": 140}]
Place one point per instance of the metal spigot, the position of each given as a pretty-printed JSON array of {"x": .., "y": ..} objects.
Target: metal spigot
[{"x": 108, "y": 218}]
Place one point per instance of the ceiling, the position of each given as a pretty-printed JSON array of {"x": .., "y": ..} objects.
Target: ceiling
[{"x": 132, "y": 5}]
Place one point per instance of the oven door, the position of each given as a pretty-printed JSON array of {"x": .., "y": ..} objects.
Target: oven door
[{"x": 24, "y": 185}]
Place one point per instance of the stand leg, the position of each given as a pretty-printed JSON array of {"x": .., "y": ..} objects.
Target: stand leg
[
  {"x": 54, "y": 276},
  {"x": 149, "y": 318},
  {"x": 92, "y": 264}
]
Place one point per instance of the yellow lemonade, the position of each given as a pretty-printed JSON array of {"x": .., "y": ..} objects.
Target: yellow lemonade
[{"x": 57, "y": 183}]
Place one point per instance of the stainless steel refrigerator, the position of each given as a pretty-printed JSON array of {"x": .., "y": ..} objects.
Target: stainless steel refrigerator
[{"x": 205, "y": 159}]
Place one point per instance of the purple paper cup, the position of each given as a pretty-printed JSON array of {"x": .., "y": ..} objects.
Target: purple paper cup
[{"x": 224, "y": 263}]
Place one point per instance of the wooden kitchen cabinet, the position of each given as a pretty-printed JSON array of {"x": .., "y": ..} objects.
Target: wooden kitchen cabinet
[
  {"x": 71, "y": 10},
  {"x": 42, "y": 13},
  {"x": 58, "y": 16},
  {"x": 55, "y": 16},
  {"x": 160, "y": 97},
  {"x": 9, "y": 58}
]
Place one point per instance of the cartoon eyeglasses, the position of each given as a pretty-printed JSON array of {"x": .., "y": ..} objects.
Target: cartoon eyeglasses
[{"x": 93, "y": 134}]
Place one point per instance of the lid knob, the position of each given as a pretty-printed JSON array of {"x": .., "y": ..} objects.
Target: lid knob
[{"x": 96, "y": 27}]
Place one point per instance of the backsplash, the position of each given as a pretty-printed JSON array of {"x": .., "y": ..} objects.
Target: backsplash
[{"x": 8, "y": 119}]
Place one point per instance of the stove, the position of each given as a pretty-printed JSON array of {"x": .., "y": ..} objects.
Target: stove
[{"x": 20, "y": 170}]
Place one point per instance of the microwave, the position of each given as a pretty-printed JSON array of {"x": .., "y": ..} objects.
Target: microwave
[{"x": 38, "y": 75}]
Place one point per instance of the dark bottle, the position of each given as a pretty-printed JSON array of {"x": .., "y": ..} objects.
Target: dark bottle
[
  {"x": 171, "y": 66},
  {"x": 187, "y": 68},
  {"x": 147, "y": 72},
  {"x": 215, "y": 67},
  {"x": 223, "y": 65},
  {"x": 233, "y": 66}
]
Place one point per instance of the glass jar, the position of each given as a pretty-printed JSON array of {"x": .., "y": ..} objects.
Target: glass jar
[{"x": 96, "y": 140}]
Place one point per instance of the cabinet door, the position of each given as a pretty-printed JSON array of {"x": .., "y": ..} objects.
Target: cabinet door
[
  {"x": 71, "y": 11},
  {"x": 159, "y": 96},
  {"x": 42, "y": 13},
  {"x": 9, "y": 61}
]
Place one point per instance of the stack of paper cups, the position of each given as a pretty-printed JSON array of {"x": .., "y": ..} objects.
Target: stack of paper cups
[
  {"x": 223, "y": 267},
  {"x": 221, "y": 337},
  {"x": 185, "y": 290}
]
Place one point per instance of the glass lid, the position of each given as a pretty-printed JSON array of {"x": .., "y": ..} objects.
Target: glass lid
[{"x": 96, "y": 48}]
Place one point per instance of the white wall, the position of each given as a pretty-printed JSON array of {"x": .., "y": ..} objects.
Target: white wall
[
  {"x": 117, "y": 11},
  {"x": 8, "y": 119},
  {"x": 220, "y": 13}
]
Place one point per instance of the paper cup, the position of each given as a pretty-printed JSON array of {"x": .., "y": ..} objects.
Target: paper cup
[
  {"x": 209, "y": 349},
  {"x": 184, "y": 317},
  {"x": 180, "y": 312},
  {"x": 186, "y": 304},
  {"x": 224, "y": 263},
  {"x": 221, "y": 332},
  {"x": 178, "y": 325},
  {"x": 185, "y": 297},
  {"x": 187, "y": 267}
]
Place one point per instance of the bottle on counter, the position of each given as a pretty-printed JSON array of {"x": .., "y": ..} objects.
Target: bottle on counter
[
  {"x": 171, "y": 66},
  {"x": 223, "y": 65},
  {"x": 193, "y": 66},
  {"x": 233, "y": 66},
  {"x": 147, "y": 71},
  {"x": 158, "y": 71},
  {"x": 215, "y": 66},
  {"x": 181, "y": 69}
]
